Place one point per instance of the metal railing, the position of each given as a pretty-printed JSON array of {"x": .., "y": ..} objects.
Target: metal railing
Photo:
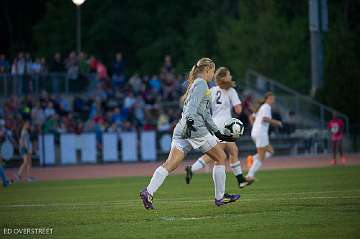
[
  {"x": 312, "y": 112},
  {"x": 53, "y": 83}
]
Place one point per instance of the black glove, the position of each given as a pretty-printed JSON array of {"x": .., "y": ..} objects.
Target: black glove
[
  {"x": 224, "y": 137},
  {"x": 189, "y": 127}
]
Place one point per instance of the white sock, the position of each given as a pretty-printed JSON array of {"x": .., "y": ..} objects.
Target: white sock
[
  {"x": 157, "y": 179},
  {"x": 199, "y": 164},
  {"x": 219, "y": 177},
  {"x": 255, "y": 166},
  {"x": 267, "y": 154},
  {"x": 236, "y": 168}
]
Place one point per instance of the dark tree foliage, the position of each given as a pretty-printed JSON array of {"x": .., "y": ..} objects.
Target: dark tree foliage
[{"x": 269, "y": 36}]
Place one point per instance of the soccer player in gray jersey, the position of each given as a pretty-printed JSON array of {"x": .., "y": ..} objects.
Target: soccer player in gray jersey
[
  {"x": 195, "y": 131},
  {"x": 25, "y": 152}
]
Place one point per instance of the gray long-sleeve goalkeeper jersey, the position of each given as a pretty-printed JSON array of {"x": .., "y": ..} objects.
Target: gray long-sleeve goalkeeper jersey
[{"x": 197, "y": 106}]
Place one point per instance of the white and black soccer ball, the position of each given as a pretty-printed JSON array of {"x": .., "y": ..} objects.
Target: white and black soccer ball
[{"x": 233, "y": 127}]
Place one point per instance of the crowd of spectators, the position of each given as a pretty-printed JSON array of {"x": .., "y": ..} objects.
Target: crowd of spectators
[{"x": 112, "y": 103}]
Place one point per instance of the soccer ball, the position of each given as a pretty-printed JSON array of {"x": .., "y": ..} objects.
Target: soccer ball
[{"x": 234, "y": 127}]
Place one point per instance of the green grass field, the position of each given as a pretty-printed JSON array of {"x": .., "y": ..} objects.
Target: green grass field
[{"x": 297, "y": 203}]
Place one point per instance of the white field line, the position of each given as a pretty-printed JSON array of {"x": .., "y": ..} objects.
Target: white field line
[{"x": 178, "y": 200}]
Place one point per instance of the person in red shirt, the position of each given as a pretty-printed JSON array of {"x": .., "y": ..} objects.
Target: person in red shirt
[{"x": 336, "y": 127}]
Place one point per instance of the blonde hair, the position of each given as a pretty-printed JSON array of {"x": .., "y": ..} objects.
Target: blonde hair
[
  {"x": 198, "y": 68},
  {"x": 221, "y": 78},
  {"x": 260, "y": 102}
]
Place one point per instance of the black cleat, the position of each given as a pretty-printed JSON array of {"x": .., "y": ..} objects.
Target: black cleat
[
  {"x": 242, "y": 182},
  {"x": 188, "y": 174}
]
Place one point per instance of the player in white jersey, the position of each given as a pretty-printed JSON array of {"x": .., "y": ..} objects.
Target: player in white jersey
[
  {"x": 260, "y": 133},
  {"x": 224, "y": 98}
]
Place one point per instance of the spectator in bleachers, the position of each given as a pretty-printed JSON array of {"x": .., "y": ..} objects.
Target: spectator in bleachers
[
  {"x": 116, "y": 117},
  {"x": 129, "y": 101},
  {"x": 28, "y": 83},
  {"x": 84, "y": 69},
  {"x": 163, "y": 123},
  {"x": 167, "y": 66},
  {"x": 18, "y": 71},
  {"x": 49, "y": 110},
  {"x": 72, "y": 68},
  {"x": 44, "y": 70},
  {"x": 57, "y": 68},
  {"x": 38, "y": 115},
  {"x": 290, "y": 123},
  {"x": 101, "y": 71},
  {"x": 64, "y": 105},
  {"x": 127, "y": 126},
  {"x": 118, "y": 71},
  {"x": 155, "y": 84},
  {"x": 4, "y": 64},
  {"x": 35, "y": 70},
  {"x": 135, "y": 83},
  {"x": 139, "y": 113}
]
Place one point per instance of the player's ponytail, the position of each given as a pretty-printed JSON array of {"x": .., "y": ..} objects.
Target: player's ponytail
[
  {"x": 262, "y": 101},
  {"x": 222, "y": 80},
  {"x": 197, "y": 69}
]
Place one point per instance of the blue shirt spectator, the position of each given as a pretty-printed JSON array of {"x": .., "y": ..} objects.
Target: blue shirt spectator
[
  {"x": 4, "y": 64},
  {"x": 155, "y": 83}
]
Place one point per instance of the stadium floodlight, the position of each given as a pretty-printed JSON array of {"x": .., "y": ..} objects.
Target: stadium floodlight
[{"x": 78, "y": 4}]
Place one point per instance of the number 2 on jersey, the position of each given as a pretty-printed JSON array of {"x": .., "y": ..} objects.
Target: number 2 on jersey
[{"x": 218, "y": 96}]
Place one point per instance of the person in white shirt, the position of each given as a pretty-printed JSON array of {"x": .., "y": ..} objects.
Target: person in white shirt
[
  {"x": 224, "y": 98},
  {"x": 260, "y": 134}
]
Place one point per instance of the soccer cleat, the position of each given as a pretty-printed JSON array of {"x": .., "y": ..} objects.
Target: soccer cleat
[
  {"x": 243, "y": 184},
  {"x": 146, "y": 199},
  {"x": 17, "y": 178},
  {"x": 6, "y": 184},
  {"x": 250, "y": 180},
  {"x": 228, "y": 198},
  {"x": 188, "y": 174},
  {"x": 242, "y": 181},
  {"x": 31, "y": 179}
]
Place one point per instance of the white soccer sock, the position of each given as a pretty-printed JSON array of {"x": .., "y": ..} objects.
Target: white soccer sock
[
  {"x": 157, "y": 179},
  {"x": 236, "y": 168},
  {"x": 255, "y": 166},
  {"x": 267, "y": 154},
  {"x": 219, "y": 177},
  {"x": 199, "y": 164}
]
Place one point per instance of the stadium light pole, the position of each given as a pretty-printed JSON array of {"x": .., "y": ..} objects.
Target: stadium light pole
[
  {"x": 318, "y": 24},
  {"x": 78, "y": 4}
]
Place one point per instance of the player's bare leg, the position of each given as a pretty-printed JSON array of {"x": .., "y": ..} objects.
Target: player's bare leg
[{"x": 262, "y": 154}]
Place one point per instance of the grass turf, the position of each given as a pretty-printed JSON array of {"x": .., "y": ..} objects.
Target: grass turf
[{"x": 296, "y": 203}]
